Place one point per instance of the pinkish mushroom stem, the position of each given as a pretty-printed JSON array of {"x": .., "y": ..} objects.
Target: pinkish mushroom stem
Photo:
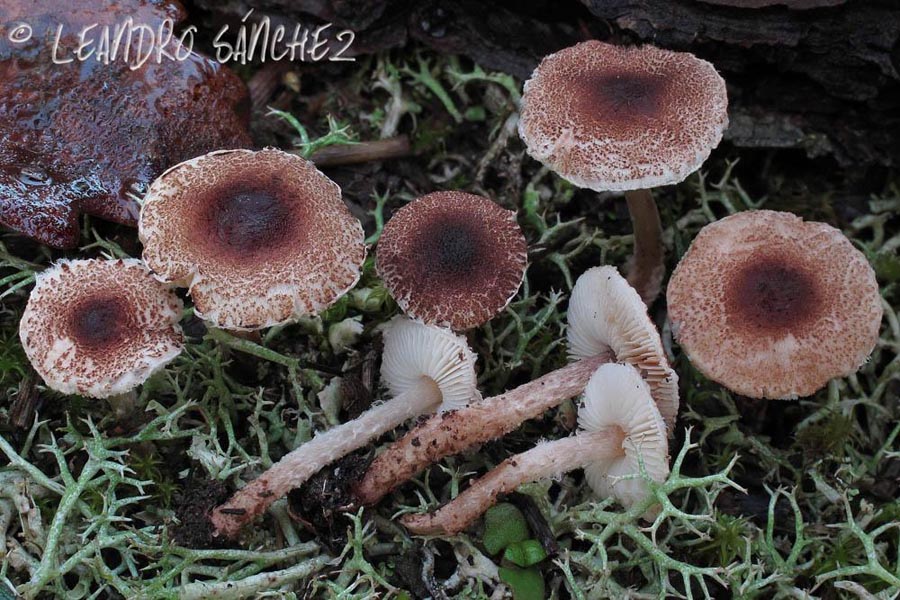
[
  {"x": 621, "y": 434},
  {"x": 299, "y": 465},
  {"x": 646, "y": 266},
  {"x": 546, "y": 460},
  {"x": 426, "y": 368},
  {"x": 452, "y": 432}
]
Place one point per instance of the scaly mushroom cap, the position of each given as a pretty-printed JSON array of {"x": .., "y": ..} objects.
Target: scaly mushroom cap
[
  {"x": 616, "y": 397},
  {"x": 413, "y": 350},
  {"x": 99, "y": 327},
  {"x": 623, "y": 118},
  {"x": 771, "y": 306},
  {"x": 606, "y": 314},
  {"x": 88, "y": 136},
  {"x": 259, "y": 238},
  {"x": 452, "y": 259}
]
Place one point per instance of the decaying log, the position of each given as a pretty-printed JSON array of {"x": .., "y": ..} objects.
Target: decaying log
[{"x": 816, "y": 75}]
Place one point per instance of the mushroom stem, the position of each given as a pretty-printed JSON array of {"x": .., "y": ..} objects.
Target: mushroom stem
[
  {"x": 550, "y": 459},
  {"x": 452, "y": 432},
  {"x": 646, "y": 267},
  {"x": 300, "y": 464}
]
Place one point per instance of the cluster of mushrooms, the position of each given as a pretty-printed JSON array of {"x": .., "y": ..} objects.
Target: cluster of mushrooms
[{"x": 763, "y": 303}]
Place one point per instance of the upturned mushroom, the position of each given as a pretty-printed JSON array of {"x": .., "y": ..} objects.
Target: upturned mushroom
[
  {"x": 426, "y": 369},
  {"x": 607, "y": 322},
  {"x": 100, "y": 328},
  {"x": 452, "y": 259},
  {"x": 88, "y": 136},
  {"x": 258, "y": 238},
  {"x": 620, "y": 430},
  {"x": 615, "y": 118},
  {"x": 771, "y": 306}
]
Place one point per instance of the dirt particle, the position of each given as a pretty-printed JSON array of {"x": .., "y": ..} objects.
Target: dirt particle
[{"x": 192, "y": 509}]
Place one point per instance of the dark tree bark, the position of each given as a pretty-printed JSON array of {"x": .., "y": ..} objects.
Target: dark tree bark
[{"x": 816, "y": 75}]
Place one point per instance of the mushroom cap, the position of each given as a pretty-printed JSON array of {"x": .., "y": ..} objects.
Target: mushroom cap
[
  {"x": 452, "y": 259},
  {"x": 611, "y": 117},
  {"x": 774, "y": 307},
  {"x": 616, "y": 396},
  {"x": 99, "y": 327},
  {"x": 607, "y": 314},
  {"x": 413, "y": 350},
  {"x": 259, "y": 238},
  {"x": 87, "y": 137}
]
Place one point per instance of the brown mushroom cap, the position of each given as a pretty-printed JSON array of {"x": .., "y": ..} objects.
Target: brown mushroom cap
[
  {"x": 88, "y": 136},
  {"x": 259, "y": 238},
  {"x": 771, "y": 306},
  {"x": 452, "y": 259},
  {"x": 622, "y": 118},
  {"x": 99, "y": 327}
]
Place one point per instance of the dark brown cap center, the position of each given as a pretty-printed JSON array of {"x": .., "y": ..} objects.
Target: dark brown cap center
[
  {"x": 771, "y": 295},
  {"x": 450, "y": 249},
  {"x": 248, "y": 220},
  {"x": 628, "y": 96},
  {"x": 99, "y": 322}
]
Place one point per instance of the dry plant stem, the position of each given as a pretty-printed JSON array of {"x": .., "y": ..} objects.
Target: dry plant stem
[
  {"x": 352, "y": 154},
  {"x": 299, "y": 465},
  {"x": 646, "y": 267},
  {"x": 455, "y": 431},
  {"x": 550, "y": 459},
  {"x": 263, "y": 84}
]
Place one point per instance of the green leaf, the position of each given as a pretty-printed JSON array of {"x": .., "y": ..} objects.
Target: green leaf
[
  {"x": 504, "y": 524},
  {"x": 526, "y": 584},
  {"x": 525, "y": 553}
]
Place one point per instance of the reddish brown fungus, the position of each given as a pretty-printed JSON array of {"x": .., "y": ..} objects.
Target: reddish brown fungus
[
  {"x": 772, "y": 306},
  {"x": 452, "y": 259},
  {"x": 86, "y": 137}
]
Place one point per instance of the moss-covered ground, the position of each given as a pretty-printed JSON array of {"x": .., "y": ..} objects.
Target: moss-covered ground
[{"x": 780, "y": 499}]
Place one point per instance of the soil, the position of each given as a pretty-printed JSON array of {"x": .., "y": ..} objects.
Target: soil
[
  {"x": 318, "y": 505},
  {"x": 192, "y": 509}
]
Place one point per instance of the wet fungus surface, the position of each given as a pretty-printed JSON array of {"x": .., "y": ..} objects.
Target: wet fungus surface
[
  {"x": 452, "y": 259},
  {"x": 99, "y": 327},
  {"x": 248, "y": 219},
  {"x": 87, "y": 137},
  {"x": 771, "y": 306},
  {"x": 258, "y": 238},
  {"x": 609, "y": 117}
]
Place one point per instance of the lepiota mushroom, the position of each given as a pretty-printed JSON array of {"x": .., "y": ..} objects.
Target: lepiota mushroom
[
  {"x": 426, "y": 368},
  {"x": 258, "y": 238},
  {"x": 620, "y": 429},
  {"x": 771, "y": 306},
  {"x": 88, "y": 136},
  {"x": 618, "y": 118},
  {"x": 607, "y": 322},
  {"x": 99, "y": 328},
  {"x": 452, "y": 259}
]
